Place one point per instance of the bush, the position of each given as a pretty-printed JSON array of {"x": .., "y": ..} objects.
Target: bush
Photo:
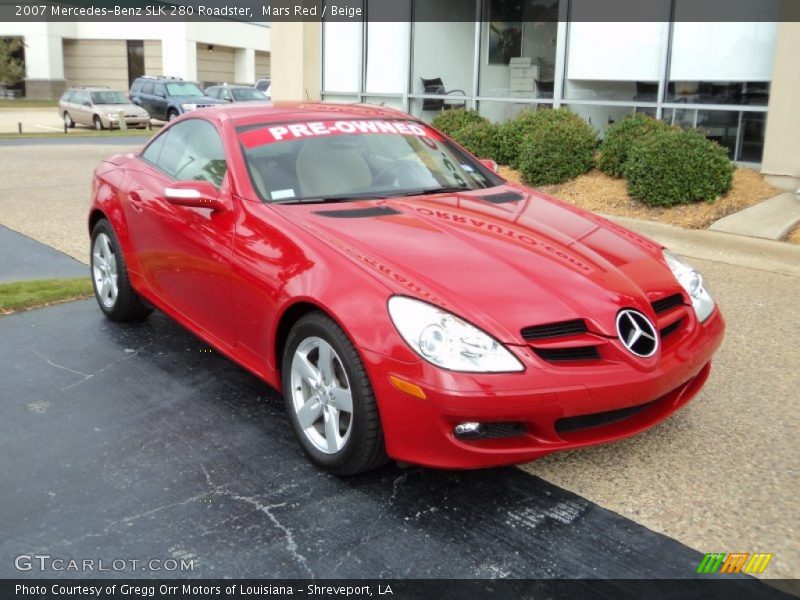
[
  {"x": 479, "y": 138},
  {"x": 512, "y": 134},
  {"x": 450, "y": 121},
  {"x": 557, "y": 146},
  {"x": 677, "y": 167},
  {"x": 621, "y": 137}
]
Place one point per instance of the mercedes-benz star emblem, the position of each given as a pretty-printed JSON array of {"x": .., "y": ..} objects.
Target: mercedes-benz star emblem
[{"x": 637, "y": 333}]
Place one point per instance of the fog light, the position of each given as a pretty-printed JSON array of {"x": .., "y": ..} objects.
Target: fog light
[{"x": 469, "y": 431}]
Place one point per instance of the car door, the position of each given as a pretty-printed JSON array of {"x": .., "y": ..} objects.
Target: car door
[
  {"x": 184, "y": 253},
  {"x": 159, "y": 101},
  {"x": 146, "y": 97},
  {"x": 83, "y": 108}
]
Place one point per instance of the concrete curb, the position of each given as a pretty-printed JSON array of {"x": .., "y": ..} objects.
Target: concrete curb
[
  {"x": 772, "y": 219},
  {"x": 732, "y": 249}
]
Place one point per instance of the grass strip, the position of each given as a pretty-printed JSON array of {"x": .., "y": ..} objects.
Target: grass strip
[{"x": 22, "y": 295}]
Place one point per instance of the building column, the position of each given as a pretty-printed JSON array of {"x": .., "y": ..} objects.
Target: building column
[
  {"x": 44, "y": 66},
  {"x": 296, "y": 60},
  {"x": 781, "y": 162},
  {"x": 179, "y": 57},
  {"x": 244, "y": 65}
]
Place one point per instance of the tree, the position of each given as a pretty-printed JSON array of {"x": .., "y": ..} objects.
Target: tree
[{"x": 12, "y": 68}]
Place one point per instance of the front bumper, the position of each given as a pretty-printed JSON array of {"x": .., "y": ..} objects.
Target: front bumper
[
  {"x": 550, "y": 402},
  {"x": 113, "y": 122}
]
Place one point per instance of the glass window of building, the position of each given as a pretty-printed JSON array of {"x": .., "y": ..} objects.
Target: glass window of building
[
  {"x": 518, "y": 48},
  {"x": 442, "y": 59},
  {"x": 736, "y": 64},
  {"x": 341, "y": 56},
  {"x": 387, "y": 51}
]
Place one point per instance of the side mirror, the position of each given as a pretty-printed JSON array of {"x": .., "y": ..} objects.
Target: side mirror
[
  {"x": 490, "y": 164},
  {"x": 195, "y": 194}
]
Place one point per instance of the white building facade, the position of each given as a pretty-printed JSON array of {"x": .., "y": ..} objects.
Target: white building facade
[{"x": 64, "y": 54}]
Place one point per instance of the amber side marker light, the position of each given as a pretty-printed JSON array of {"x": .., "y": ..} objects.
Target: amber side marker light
[{"x": 406, "y": 387}]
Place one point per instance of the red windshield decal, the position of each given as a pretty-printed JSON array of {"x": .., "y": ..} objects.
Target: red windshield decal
[{"x": 287, "y": 132}]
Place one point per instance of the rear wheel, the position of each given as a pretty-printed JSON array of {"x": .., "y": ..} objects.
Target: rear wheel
[
  {"x": 98, "y": 124},
  {"x": 171, "y": 114},
  {"x": 68, "y": 120},
  {"x": 112, "y": 289},
  {"x": 329, "y": 398}
]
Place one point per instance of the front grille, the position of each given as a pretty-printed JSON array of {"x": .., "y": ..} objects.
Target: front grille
[
  {"x": 502, "y": 197},
  {"x": 568, "y": 354},
  {"x": 358, "y": 213},
  {"x": 568, "y": 424},
  {"x": 551, "y": 330},
  {"x": 665, "y": 331},
  {"x": 663, "y": 305},
  {"x": 503, "y": 430}
]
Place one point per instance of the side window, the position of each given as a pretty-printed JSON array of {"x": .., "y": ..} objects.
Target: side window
[
  {"x": 147, "y": 88},
  {"x": 193, "y": 152},
  {"x": 213, "y": 93},
  {"x": 137, "y": 85},
  {"x": 158, "y": 89},
  {"x": 152, "y": 153},
  {"x": 81, "y": 98},
  {"x": 226, "y": 94}
]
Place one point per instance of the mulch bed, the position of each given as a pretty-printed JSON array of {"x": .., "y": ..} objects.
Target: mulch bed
[{"x": 597, "y": 192}]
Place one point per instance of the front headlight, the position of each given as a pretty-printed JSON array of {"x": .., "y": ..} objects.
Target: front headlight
[
  {"x": 692, "y": 281},
  {"x": 447, "y": 341},
  {"x": 189, "y": 106}
]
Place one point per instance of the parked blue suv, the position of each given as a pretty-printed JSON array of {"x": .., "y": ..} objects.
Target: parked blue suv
[{"x": 165, "y": 98}]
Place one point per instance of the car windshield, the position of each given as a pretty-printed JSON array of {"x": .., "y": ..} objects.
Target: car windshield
[
  {"x": 244, "y": 94},
  {"x": 348, "y": 159},
  {"x": 109, "y": 98},
  {"x": 183, "y": 89}
]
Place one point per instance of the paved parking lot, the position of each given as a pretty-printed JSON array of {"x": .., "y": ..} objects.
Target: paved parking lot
[{"x": 719, "y": 476}]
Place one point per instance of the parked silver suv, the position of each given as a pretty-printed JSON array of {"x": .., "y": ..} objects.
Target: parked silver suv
[{"x": 100, "y": 108}]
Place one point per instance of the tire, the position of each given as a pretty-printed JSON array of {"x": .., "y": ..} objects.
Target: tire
[
  {"x": 68, "y": 120},
  {"x": 125, "y": 304},
  {"x": 361, "y": 447},
  {"x": 171, "y": 114},
  {"x": 98, "y": 124}
]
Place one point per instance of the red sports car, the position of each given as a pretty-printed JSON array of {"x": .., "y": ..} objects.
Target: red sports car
[{"x": 409, "y": 303}]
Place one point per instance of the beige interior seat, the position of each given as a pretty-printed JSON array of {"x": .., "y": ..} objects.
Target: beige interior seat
[{"x": 324, "y": 169}]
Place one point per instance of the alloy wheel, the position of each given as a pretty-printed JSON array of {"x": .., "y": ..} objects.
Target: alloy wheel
[
  {"x": 321, "y": 395},
  {"x": 104, "y": 270}
]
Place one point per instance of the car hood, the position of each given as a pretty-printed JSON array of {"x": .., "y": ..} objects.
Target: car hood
[
  {"x": 197, "y": 100},
  {"x": 500, "y": 262},
  {"x": 114, "y": 108}
]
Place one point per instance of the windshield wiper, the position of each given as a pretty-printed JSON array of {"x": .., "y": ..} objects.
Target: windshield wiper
[
  {"x": 323, "y": 199},
  {"x": 434, "y": 190},
  {"x": 369, "y": 196}
]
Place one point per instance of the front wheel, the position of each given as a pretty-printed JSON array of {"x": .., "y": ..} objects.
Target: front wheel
[
  {"x": 112, "y": 289},
  {"x": 329, "y": 398},
  {"x": 98, "y": 124},
  {"x": 172, "y": 114}
]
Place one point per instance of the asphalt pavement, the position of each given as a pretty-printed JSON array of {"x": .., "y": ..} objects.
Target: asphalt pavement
[
  {"x": 25, "y": 258},
  {"x": 136, "y": 441}
]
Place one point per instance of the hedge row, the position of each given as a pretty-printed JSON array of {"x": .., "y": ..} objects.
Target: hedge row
[{"x": 663, "y": 165}]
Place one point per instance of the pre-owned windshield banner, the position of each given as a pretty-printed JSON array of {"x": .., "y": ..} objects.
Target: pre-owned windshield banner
[{"x": 289, "y": 132}]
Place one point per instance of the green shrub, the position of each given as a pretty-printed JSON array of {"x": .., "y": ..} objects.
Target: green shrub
[
  {"x": 512, "y": 134},
  {"x": 621, "y": 137},
  {"x": 558, "y": 146},
  {"x": 479, "y": 138},
  {"x": 450, "y": 121},
  {"x": 677, "y": 167}
]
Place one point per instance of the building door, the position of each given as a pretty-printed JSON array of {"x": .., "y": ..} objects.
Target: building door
[{"x": 135, "y": 60}]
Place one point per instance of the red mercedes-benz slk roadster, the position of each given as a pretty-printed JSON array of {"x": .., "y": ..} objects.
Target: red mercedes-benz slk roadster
[{"x": 409, "y": 303}]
